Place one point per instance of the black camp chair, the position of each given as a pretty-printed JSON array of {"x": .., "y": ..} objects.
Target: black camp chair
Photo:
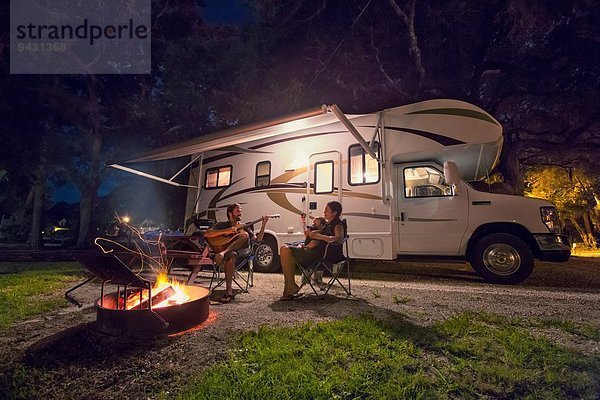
[{"x": 335, "y": 260}]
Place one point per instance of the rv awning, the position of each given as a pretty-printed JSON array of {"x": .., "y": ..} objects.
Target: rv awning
[
  {"x": 240, "y": 134},
  {"x": 310, "y": 118}
]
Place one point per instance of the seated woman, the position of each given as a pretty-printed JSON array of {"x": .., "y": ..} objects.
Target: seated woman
[
  {"x": 333, "y": 232},
  {"x": 304, "y": 252}
]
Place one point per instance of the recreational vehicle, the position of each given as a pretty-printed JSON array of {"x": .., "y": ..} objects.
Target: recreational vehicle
[{"x": 401, "y": 175}]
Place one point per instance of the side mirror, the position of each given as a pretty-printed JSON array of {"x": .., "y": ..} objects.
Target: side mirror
[{"x": 451, "y": 173}]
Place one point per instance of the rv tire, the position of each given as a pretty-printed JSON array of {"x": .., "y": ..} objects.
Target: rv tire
[
  {"x": 266, "y": 258},
  {"x": 502, "y": 258}
]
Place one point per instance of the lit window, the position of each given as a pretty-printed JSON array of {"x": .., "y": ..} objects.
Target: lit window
[
  {"x": 263, "y": 173},
  {"x": 324, "y": 177},
  {"x": 425, "y": 182},
  {"x": 218, "y": 177},
  {"x": 364, "y": 169}
]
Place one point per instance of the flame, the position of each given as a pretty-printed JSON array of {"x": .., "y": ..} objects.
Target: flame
[{"x": 162, "y": 282}]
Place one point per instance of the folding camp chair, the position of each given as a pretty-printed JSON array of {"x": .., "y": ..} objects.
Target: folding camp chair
[
  {"x": 243, "y": 279},
  {"x": 335, "y": 260}
]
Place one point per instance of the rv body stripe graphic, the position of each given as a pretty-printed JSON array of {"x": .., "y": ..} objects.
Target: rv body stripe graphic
[
  {"x": 443, "y": 140},
  {"x": 216, "y": 198},
  {"x": 287, "y": 176},
  {"x": 292, "y": 188},
  {"x": 461, "y": 112},
  {"x": 368, "y": 215},
  {"x": 430, "y": 220},
  {"x": 282, "y": 201},
  {"x": 278, "y": 194}
]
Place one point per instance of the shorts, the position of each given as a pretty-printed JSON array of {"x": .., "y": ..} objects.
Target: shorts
[
  {"x": 305, "y": 257},
  {"x": 242, "y": 253}
]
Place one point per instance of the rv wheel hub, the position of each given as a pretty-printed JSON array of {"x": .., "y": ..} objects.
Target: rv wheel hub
[
  {"x": 502, "y": 259},
  {"x": 264, "y": 255}
]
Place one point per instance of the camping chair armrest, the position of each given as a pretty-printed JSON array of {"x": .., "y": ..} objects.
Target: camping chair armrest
[{"x": 335, "y": 245}]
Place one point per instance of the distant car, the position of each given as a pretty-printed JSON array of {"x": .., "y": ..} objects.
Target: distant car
[{"x": 56, "y": 236}]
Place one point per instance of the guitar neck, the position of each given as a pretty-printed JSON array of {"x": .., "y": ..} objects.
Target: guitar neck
[{"x": 247, "y": 224}]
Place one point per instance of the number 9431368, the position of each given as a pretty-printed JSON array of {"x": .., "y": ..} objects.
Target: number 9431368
[{"x": 42, "y": 47}]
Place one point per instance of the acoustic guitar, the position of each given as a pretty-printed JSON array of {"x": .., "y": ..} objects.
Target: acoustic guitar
[{"x": 220, "y": 239}]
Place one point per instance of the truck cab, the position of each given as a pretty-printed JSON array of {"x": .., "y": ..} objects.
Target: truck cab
[{"x": 440, "y": 215}]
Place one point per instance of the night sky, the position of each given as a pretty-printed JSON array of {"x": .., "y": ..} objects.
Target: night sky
[
  {"x": 225, "y": 12},
  {"x": 215, "y": 12}
]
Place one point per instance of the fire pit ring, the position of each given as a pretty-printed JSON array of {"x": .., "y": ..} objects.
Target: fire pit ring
[
  {"x": 135, "y": 309},
  {"x": 144, "y": 323}
]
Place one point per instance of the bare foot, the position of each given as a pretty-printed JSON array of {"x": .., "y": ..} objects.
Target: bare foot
[
  {"x": 219, "y": 257},
  {"x": 292, "y": 293}
]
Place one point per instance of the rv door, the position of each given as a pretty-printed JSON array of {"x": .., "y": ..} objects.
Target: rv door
[
  {"x": 324, "y": 181},
  {"x": 431, "y": 218}
]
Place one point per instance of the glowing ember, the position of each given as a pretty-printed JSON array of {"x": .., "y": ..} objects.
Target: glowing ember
[{"x": 165, "y": 293}]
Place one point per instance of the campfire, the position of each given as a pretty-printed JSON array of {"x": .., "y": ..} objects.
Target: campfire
[{"x": 140, "y": 308}]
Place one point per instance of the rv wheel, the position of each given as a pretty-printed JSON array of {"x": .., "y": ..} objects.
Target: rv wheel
[
  {"x": 502, "y": 258},
  {"x": 265, "y": 256}
]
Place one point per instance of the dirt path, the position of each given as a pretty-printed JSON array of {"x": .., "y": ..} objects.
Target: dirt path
[{"x": 66, "y": 358}]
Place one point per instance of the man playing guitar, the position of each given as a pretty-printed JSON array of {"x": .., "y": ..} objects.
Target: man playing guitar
[{"x": 237, "y": 248}]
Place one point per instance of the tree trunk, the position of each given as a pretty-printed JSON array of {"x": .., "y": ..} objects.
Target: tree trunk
[
  {"x": 24, "y": 225},
  {"x": 582, "y": 233},
  {"x": 39, "y": 194},
  {"x": 511, "y": 167},
  {"x": 408, "y": 18},
  {"x": 85, "y": 219},
  {"x": 589, "y": 232},
  {"x": 39, "y": 190},
  {"x": 90, "y": 189}
]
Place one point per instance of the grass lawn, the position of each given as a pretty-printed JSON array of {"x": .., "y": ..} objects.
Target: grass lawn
[
  {"x": 468, "y": 356},
  {"x": 29, "y": 289}
]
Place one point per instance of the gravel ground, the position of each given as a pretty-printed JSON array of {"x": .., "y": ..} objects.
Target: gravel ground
[{"x": 71, "y": 360}]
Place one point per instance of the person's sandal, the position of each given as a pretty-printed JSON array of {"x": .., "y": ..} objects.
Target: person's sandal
[
  {"x": 289, "y": 297},
  {"x": 226, "y": 298}
]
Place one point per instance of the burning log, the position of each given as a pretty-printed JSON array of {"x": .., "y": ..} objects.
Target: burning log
[{"x": 134, "y": 303}]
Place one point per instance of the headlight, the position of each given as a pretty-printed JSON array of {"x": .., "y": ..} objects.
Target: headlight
[{"x": 550, "y": 218}]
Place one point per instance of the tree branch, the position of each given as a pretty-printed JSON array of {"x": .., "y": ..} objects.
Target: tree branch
[
  {"x": 391, "y": 81},
  {"x": 409, "y": 23}
]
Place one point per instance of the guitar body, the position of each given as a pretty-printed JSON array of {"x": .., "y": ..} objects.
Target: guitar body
[{"x": 220, "y": 239}]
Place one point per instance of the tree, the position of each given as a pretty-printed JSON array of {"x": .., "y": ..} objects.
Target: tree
[{"x": 572, "y": 191}]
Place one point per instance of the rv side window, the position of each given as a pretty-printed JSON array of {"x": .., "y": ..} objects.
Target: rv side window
[
  {"x": 362, "y": 168},
  {"x": 425, "y": 182},
  {"x": 263, "y": 173},
  {"x": 324, "y": 177},
  {"x": 219, "y": 177}
]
